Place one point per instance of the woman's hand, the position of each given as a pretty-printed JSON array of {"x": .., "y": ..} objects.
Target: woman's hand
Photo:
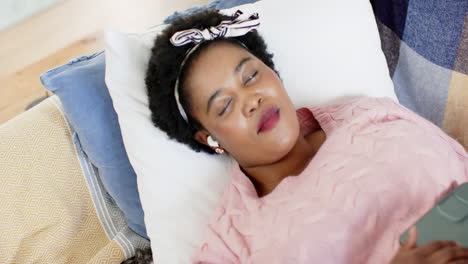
[{"x": 436, "y": 252}]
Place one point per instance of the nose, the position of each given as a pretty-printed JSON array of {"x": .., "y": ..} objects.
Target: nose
[{"x": 252, "y": 104}]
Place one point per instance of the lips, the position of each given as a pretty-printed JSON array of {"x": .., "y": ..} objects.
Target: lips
[{"x": 269, "y": 119}]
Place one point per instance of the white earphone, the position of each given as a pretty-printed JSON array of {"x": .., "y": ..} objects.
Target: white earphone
[{"x": 212, "y": 143}]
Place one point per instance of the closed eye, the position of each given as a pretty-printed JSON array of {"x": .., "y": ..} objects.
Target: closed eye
[
  {"x": 251, "y": 77},
  {"x": 225, "y": 107}
]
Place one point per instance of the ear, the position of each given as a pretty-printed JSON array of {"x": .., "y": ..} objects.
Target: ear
[{"x": 201, "y": 136}]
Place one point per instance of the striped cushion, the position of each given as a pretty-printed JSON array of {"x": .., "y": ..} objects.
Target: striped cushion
[{"x": 53, "y": 207}]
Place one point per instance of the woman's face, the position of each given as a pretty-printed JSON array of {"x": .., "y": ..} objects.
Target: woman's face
[{"x": 242, "y": 104}]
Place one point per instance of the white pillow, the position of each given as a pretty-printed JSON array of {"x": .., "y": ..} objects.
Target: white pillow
[{"x": 324, "y": 50}]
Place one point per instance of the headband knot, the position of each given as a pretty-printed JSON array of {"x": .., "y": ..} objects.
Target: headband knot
[{"x": 239, "y": 26}]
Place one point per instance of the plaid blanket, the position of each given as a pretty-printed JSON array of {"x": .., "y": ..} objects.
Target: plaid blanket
[{"x": 426, "y": 46}]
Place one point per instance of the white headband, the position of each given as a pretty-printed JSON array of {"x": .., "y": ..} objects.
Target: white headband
[{"x": 241, "y": 25}]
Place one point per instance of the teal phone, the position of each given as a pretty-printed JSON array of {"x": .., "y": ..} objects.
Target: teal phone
[{"x": 448, "y": 220}]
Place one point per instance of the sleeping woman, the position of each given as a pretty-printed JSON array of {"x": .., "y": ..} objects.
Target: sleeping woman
[{"x": 321, "y": 184}]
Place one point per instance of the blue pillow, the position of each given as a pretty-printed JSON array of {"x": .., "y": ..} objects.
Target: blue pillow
[
  {"x": 87, "y": 104},
  {"x": 214, "y": 4},
  {"x": 211, "y": 5},
  {"x": 224, "y": 4}
]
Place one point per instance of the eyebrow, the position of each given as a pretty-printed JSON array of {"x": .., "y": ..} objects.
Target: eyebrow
[{"x": 218, "y": 92}]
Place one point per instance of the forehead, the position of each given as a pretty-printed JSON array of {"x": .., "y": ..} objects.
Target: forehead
[
  {"x": 217, "y": 58},
  {"x": 214, "y": 68}
]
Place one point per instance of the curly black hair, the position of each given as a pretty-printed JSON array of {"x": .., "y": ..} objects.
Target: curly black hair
[{"x": 164, "y": 67}]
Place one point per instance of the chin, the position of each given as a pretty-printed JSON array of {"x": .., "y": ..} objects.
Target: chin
[
  {"x": 282, "y": 139},
  {"x": 288, "y": 132},
  {"x": 284, "y": 144}
]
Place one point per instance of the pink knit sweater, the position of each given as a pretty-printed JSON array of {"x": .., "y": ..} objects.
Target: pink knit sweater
[{"x": 380, "y": 169}]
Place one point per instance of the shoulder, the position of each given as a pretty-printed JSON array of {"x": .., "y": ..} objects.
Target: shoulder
[
  {"x": 346, "y": 104},
  {"x": 344, "y": 111}
]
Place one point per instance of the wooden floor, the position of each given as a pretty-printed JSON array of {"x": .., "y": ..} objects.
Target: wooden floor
[{"x": 61, "y": 33}]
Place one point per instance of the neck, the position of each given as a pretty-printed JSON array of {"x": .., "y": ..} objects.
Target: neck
[{"x": 265, "y": 178}]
